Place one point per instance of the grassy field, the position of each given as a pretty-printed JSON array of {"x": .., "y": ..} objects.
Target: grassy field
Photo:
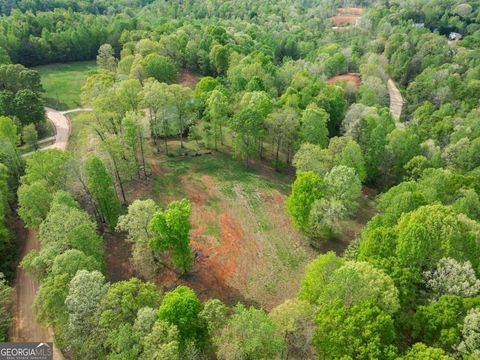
[
  {"x": 63, "y": 83},
  {"x": 244, "y": 244}
]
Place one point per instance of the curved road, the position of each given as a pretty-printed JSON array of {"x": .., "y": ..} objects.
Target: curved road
[{"x": 25, "y": 326}]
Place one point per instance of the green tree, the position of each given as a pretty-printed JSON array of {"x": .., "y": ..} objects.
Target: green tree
[
  {"x": 282, "y": 126},
  {"x": 181, "y": 308},
  {"x": 85, "y": 293},
  {"x": 217, "y": 109},
  {"x": 318, "y": 276},
  {"x": 343, "y": 184},
  {"x": 248, "y": 126},
  {"x": 295, "y": 319},
  {"x": 313, "y": 128},
  {"x": 160, "y": 68},
  {"x": 332, "y": 99},
  {"x": 29, "y": 107},
  {"x": 420, "y": 351},
  {"x": 171, "y": 232},
  {"x": 50, "y": 165},
  {"x": 106, "y": 58},
  {"x": 135, "y": 223},
  {"x": 123, "y": 301},
  {"x": 101, "y": 188},
  {"x": 8, "y": 130},
  {"x": 219, "y": 58},
  {"x": 34, "y": 203},
  {"x": 307, "y": 188},
  {"x": 30, "y": 136},
  {"x": 249, "y": 333},
  {"x": 135, "y": 133},
  {"x": 183, "y": 103},
  {"x": 162, "y": 343},
  {"x": 362, "y": 331}
]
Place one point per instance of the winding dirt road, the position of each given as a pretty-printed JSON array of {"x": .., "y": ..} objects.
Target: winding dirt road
[
  {"x": 396, "y": 100},
  {"x": 25, "y": 327}
]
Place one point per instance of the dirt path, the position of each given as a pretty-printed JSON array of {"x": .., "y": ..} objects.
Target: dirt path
[
  {"x": 25, "y": 326},
  {"x": 396, "y": 100}
]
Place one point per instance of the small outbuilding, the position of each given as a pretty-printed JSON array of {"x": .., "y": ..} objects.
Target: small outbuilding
[{"x": 454, "y": 36}]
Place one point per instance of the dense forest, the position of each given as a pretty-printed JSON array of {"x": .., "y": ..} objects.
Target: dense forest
[{"x": 264, "y": 98}]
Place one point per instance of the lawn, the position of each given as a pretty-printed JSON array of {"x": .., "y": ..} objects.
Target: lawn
[{"x": 63, "y": 83}]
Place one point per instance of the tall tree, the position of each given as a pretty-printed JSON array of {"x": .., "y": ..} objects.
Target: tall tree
[
  {"x": 101, "y": 187},
  {"x": 217, "y": 109},
  {"x": 171, "y": 232}
]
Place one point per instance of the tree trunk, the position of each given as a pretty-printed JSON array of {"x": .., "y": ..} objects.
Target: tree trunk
[{"x": 120, "y": 183}]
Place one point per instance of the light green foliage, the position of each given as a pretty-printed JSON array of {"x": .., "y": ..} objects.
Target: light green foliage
[
  {"x": 355, "y": 282},
  {"x": 362, "y": 331},
  {"x": 106, "y": 58},
  {"x": 420, "y": 351},
  {"x": 49, "y": 165},
  {"x": 432, "y": 232},
  {"x": 318, "y": 275},
  {"x": 282, "y": 128},
  {"x": 347, "y": 152},
  {"x": 313, "y": 158},
  {"x": 160, "y": 68},
  {"x": 402, "y": 146},
  {"x": 162, "y": 343},
  {"x": 325, "y": 216},
  {"x": 295, "y": 318},
  {"x": 85, "y": 293},
  {"x": 30, "y": 136},
  {"x": 101, "y": 188},
  {"x": 307, "y": 188},
  {"x": 8, "y": 130},
  {"x": 343, "y": 184},
  {"x": 128, "y": 95},
  {"x": 330, "y": 280},
  {"x": 439, "y": 323},
  {"x": 65, "y": 227},
  {"x": 217, "y": 109},
  {"x": 123, "y": 301},
  {"x": 249, "y": 333},
  {"x": 313, "y": 128},
  {"x": 171, "y": 232},
  {"x": 135, "y": 223},
  {"x": 248, "y": 126},
  {"x": 214, "y": 314},
  {"x": 34, "y": 203},
  {"x": 182, "y": 308}
]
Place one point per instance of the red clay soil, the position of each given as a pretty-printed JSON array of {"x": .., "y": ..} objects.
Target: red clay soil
[
  {"x": 188, "y": 79},
  {"x": 348, "y": 77}
]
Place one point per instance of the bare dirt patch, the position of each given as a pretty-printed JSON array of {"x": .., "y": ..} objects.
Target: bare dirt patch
[
  {"x": 349, "y": 78},
  {"x": 188, "y": 78}
]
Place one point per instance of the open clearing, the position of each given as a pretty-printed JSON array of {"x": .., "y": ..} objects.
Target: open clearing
[
  {"x": 349, "y": 78},
  {"x": 244, "y": 244},
  {"x": 63, "y": 83}
]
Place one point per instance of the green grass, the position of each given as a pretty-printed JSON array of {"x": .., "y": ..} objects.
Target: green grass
[{"x": 63, "y": 83}]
